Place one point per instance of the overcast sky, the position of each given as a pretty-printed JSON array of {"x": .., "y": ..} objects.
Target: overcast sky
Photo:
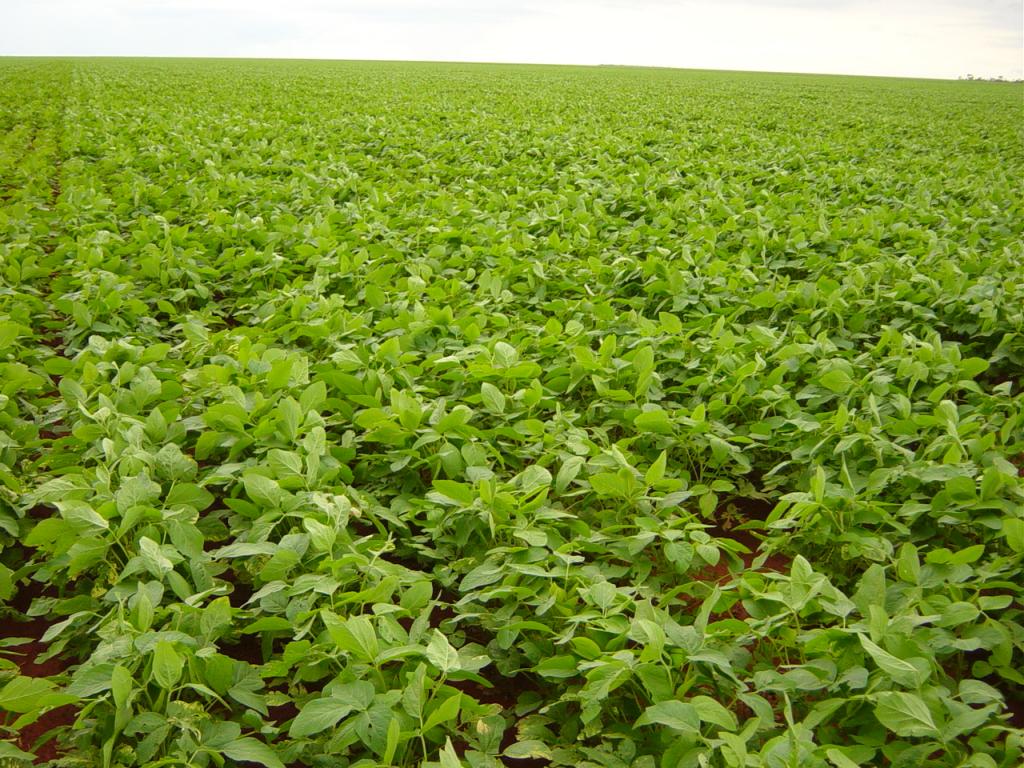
[{"x": 927, "y": 38}]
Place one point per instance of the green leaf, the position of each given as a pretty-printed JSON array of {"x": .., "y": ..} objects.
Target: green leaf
[
  {"x": 492, "y": 397},
  {"x": 216, "y": 616},
  {"x": 319, "y": 715},
  {"x": 171, "y": 464},
  {"x": 1013, "y": 530},
  {"x": 905, "y": 714},
  {"x": 532, "y": 478},
  {"x": 416, "y": 597},
  {"x": 908, "y": 567},
  {"x": 414, "y": 694},
  {"x": 448, "y": 757},
  {"x": 569, "y": 471},
  {"x": 458, "y": 492},
  {"x": 967, "y": 555},
  {"x": 291, "y": 416},
  {"x": 153, "y": 557},
  {"x": 355, "y": 635},
  {"x": 313, "y": 397},
  {"x": 136, "y": 491},
  {"x": 558, "y": 667},
  {"x": 251, "y": 750},
  {"x": 442, "y": 654},
  {"x": 262, "y": 490},
  {"x": 958, "y": 613},
  {"x": 167, "y": 665},
  {"x": 322, "y": 536},
  {"x": 902, "y": 672},
  {"x": 711, "y": 711},
  {"x": 85, "y": 553},
  {"x": 609, "y": 484},
  {"x": 90, "y": 679},
  {"x": 10, "y": 752},
  {"x": 977, "y": 692},
  {"x": 839, "y": 760},
  {"x": 22, "y": 694},
  {"x": 482, "y": 575},
  {"x": 670, "y": 323},
  {"x": 280, "y": 373},
  {"x": 655, "y": 420},
  {"x": 837, "y": 381},
  {"x": 656, "y": 472},
  {"x": 505, "y": 355},
  {"x": 219, "y": 672},
  {"x": 394, "y": 739},
  {"x": 268, "y": 624},
  {"x": 189, "y": 494},
  {"x": 530, "y": 748},
  {"x": 678, "y": 715},
  {"x": 121, "y": 684},
  {"x": 445, "y": 711}
]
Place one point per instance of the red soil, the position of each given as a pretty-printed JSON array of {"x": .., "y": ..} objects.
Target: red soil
[{"x": 26, "y": 656}]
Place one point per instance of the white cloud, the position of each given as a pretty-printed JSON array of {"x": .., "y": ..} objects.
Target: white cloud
[{"x": 936, "y": 38}]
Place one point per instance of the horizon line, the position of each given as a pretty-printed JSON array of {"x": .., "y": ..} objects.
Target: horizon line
[{"x": 961, "y": 78}]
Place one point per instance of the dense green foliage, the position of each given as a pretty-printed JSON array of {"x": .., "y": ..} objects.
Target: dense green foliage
[{"x": 393, "y": 414}]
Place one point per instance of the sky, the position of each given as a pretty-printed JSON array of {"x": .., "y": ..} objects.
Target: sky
[{"x": 917, "y": 38}]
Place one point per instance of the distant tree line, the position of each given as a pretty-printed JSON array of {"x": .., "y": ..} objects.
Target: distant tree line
[{"x": 997, "y": 79}]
